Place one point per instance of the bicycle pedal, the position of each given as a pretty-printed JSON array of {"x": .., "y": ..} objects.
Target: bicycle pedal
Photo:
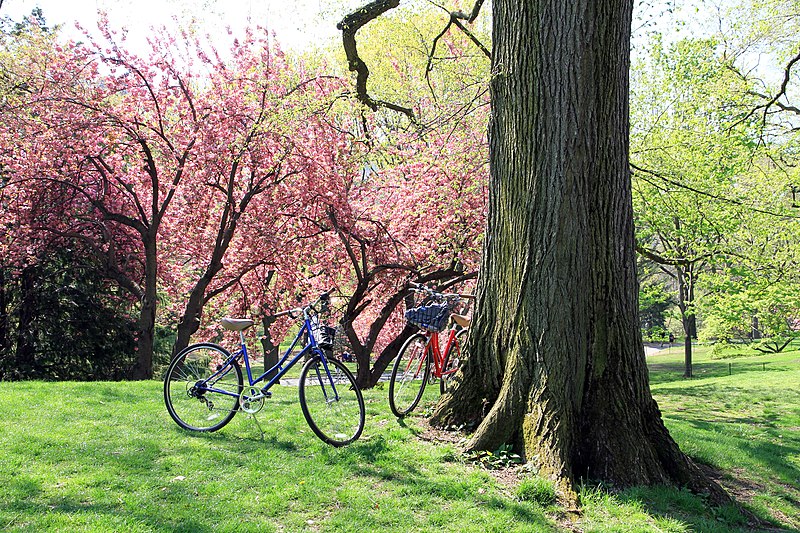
[{"x": 268, "y": 394}]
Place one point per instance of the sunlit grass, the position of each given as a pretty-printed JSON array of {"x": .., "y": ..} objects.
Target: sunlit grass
[
  {"x": 107, "y": 457},
  {"x": 747, "y": 426}
]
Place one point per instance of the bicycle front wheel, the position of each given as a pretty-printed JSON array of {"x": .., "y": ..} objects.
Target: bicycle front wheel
[
  {"x": 409, "y": 375},
  {"x": 331, "y": 401},
  {"x": 202, "y": 392},
  {"x": 452, "y": 360}
]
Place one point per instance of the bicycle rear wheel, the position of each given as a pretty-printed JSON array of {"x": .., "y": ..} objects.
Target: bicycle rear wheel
[
  {"x": 452, "y": 360},
  {"x": 409, "y": 375},
  {"x": 332, "y": 404},
  {"x": 201, "y": 394}
]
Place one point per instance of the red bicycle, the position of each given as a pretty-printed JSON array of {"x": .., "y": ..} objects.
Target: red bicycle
[{"x": 412, "y": 368}]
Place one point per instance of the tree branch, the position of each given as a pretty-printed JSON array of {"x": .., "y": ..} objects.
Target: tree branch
[
  {"x": 645, "y": 172},
  {"x": 455, "y": 18},
  {"x": 349, "y": 26},
  {"x": 786, "y": 77},
  {"x": 476, "y": 9}
]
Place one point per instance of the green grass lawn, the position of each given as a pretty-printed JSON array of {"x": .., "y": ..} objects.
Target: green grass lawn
[
  {"x": 107, "y": 457},
  {"x": 740, "y": 414}
]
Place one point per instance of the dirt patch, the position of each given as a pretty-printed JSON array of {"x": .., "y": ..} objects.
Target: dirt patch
[
  {"x": 508, "y": 477},
  {"x": 734, "y": 482},
  {"x": 434, "y": 434}
]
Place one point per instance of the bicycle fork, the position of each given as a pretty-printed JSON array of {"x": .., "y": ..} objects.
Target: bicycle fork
[{"x": 329, "y": 399}]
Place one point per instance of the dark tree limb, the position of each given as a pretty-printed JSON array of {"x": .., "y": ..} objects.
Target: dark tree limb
[
  {"x": 787, "y": 72},
  {"x": 455, "y": 18},
  {"x": 774, "y": 100},
  {"x": 349, "y": 26}
]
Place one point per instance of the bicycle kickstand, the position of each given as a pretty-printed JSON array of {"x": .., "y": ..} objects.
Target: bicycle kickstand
[{"x": 258, "y": 425}]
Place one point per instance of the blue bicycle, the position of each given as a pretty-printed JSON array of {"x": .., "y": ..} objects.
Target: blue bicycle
[{"x": 204, "y": 387}]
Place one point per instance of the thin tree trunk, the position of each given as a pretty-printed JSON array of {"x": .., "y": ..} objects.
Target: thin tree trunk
[
  {"x": 556, "y": 349},
  {"x": 193, "y": 310},
  {"x": 388, "y": 355},
  {"x": 25, "y": 354},
  {"x": 687, "y": 357},
  {"x": 685, "y": 292},
  {"x": 5, "y": 323},
  {"x": 143, "y": 367},
  {"x": 270, "y": 349}
]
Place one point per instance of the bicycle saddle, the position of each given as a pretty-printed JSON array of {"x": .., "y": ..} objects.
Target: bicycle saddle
[
  {"x": 461, "y": 320},
  {"x": 236, "y": 324}
]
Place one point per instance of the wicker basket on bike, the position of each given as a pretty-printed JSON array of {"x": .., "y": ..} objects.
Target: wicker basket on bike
[
  {"x": 432, "y": 315},
  {"x": 325, "y": 335}
]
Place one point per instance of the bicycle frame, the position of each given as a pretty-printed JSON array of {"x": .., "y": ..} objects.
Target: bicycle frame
[
  {"x": 311, "y": 348},
  {"x": 432, "y": 347}
]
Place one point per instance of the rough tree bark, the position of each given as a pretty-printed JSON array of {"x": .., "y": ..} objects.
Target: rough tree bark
[{"x": 556, "y": 358}]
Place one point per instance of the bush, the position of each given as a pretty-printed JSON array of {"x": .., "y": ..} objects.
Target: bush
[{"x": 69, "y": 322}]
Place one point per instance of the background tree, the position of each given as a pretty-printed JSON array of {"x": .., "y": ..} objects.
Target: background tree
[
  {"x": 110, "y": 143},
  {"x": 71, "y": 322},
  {"x": 656, "y": 300},
  {"x": 55, "y": 300},
  {"x": 752, "y": 296},
  {"x": 264, "y": 126},
  {"x": 688, "y": 136}
]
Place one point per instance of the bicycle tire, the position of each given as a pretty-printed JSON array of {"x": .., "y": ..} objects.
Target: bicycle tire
[
  {"x": 405, "y": 386},
  {"x": 450, "y": 364},
  {"x": 196, "y": 408},
  {"x": 336, "y": 418}
]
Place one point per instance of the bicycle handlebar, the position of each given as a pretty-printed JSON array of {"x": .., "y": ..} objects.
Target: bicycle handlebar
[
  {"x": 323, "y": 299},
  {"x": 417, "y": 287}
]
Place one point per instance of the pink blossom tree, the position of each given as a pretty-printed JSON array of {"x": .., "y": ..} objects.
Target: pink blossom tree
[
  {"x": 420, "y": 218},
  {"x": 157, "y": 165},
  {"x": 60, "y": 129},
  {"x": 260, "y": 137}
]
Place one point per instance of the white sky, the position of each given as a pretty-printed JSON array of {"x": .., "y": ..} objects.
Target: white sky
[{"x": 296, "y": 23}]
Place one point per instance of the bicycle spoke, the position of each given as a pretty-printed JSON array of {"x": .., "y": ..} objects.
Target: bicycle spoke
[
  {"x": 193, "y": 392},
  {"x": 332, "y": 403},
  {"x": 409, "y": 376}
]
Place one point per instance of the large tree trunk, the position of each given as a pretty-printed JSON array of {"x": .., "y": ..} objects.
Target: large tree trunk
[{"x": 556, "y": 351}]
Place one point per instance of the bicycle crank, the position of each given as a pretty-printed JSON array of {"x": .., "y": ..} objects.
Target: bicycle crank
[{"x": 251, "y": 400}]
